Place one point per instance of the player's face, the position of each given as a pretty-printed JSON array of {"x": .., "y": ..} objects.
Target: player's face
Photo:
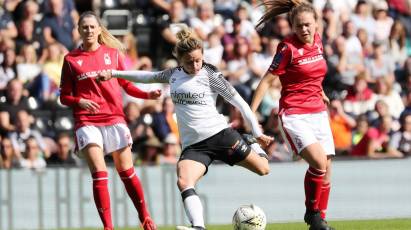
[
  {"x": 193, "y": 61},
  {"x": 304, "y": 26},
  {"x": 89, "y": 30}
]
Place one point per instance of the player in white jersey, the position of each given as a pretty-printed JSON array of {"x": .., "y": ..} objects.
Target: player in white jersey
[{"x": 205, "y": 133}]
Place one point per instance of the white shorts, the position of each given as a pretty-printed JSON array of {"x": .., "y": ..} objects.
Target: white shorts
[
  {"x": 109, "y": 138},
  {"x": 302, "y": 130}
]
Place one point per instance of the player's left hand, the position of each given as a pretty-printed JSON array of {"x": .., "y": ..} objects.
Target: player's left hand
[
  {"x": 326, "y": 100},
  {"x": 265, "y": 140},
  {"x": 154, "y": 94}
]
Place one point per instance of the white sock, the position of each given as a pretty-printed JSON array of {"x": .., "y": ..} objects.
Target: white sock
[
  {"x": 257, "y": 148},
  {"x": 193, "y": 207}
]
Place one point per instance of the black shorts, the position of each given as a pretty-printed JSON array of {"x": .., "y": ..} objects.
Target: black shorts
[{"x": 227, "y": 146}]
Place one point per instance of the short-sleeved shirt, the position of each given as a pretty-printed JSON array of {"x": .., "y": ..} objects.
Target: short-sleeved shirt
[{"x": 301, "y": 69}]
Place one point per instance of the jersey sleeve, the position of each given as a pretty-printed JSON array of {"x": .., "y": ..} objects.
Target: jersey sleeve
[
  {"x": 144, "y": 76},
  {"x": 281, "y": 59},
  {"x": 67, "y": 86},
  {"x": 220, "y": 85},
  {"x": 131, "y": 89}
]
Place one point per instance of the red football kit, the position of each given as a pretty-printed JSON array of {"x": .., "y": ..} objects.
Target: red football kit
[
  {"x": 78, "y": 81},
  {"x": 301, "y": 69}
]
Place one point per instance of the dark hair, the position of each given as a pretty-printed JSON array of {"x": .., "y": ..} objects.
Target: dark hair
[{"x": 292, "y": 7}]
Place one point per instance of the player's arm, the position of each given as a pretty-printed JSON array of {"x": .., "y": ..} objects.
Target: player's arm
[
  {"x": 262, "y": 88},
  {"x": 278, "y": 67},
  {"x": 134, "y": 91},
  {"x": 66, "y": 87},
  {"x": 139, "y": 76}
]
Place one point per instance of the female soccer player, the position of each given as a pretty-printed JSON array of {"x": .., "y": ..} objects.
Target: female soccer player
[
  {"x": 98, "y": 112},
  {"x": 301, "y": 68},
  {"x": 204, "y": 132}
]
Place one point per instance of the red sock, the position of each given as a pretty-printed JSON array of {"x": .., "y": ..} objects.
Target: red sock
[
  {"x": 312, "y": 185},
  {"x": 102, "y": 198},
  {"x": 323, "y": 204},
  {"x": 135, "y": 192}
]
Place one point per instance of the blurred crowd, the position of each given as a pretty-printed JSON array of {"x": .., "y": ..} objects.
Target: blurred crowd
[{"x": 367, "y": 45}]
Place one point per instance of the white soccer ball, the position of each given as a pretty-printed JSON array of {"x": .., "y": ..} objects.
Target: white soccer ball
[{"x": 249, "y": 217}]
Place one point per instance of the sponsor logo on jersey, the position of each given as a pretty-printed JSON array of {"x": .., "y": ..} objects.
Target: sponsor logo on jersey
[
  {"x": 107, "y": 59},
  {"x": 188, "y": 98},
  {"x": 309, "y": 60}
]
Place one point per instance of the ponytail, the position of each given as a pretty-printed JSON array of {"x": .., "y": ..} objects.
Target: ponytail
[{"x": 293, "y": 7}]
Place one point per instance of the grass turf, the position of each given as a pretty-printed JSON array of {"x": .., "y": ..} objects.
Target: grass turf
[{"x": 385, "y": 224}]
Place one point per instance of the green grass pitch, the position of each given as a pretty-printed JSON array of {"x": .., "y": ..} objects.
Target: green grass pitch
[{"x": 389, "y": 224}]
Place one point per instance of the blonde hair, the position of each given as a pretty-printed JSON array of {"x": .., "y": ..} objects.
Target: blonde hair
[
  {"x": 292, "y": 7},
  {"x": 105, "y": 37},
  {"x": 186, "y": 42}
]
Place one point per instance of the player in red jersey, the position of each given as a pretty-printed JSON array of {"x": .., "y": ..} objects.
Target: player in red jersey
[
  {"x": 98, "y": 112},
  {"x": 300, "y": 67}
]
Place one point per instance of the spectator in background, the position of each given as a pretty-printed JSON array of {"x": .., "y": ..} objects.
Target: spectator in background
[
  {"x": 58, "y": 25},
  {"x": 164, "y": 121},
  {"x": 383, "y": 21},
  {"x": 24, "y": 132},
  {"x": 362, "y": 18},
  {"x": 7, "y": 27},
  {"x": 341, "y": 127},
  {"x": 64, "y": 154},
  {"x": 352, "y": 45},
  {"x": 206, "y": 21},
  {"x": 381, "y": 110},
  {"x": 169, "y": 26},
  {"x": 15, "y": 101},
  {"x": 360, "y": 99},
  {"x": 213, "y": 51},
  {"x": 402, "y": 140},
  {"x": 150, "y": 152},
  {"x": 379, "y": 64},
  {"x": 8, "y": 157},
  {"x": 360, "y": 130},
  {"x": 397, "y": 49},
  {"x": 33, "y": 157},
  {"x": 330, "y": 23},
  {"x": 29, "y": 34},
  {"x": 385, "y": 91},
  {"x": 375, "y": 142},
  {"x": 367, "y": 49},
  {"x": 171, "y": 150},
  {"x": 7, "y": 68}
]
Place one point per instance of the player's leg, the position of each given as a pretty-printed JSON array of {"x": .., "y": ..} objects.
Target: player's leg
[
  {"x": 119, "y": 139},
  {"x": 90, "y": 145},
  {"x": 188, "y": 173},
  {"x": 257, "y": 160},
  {"x": 97, "y": 166},
  {"x": 325, "y": 190}
]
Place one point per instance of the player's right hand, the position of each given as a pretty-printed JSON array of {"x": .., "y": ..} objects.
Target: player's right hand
[
  {"x": 89, "y": 105},
  {"x": 265, "y": 140}
]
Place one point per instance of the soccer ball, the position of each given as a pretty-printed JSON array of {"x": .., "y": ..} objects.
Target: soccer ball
[{"x": 249, "y": 217}]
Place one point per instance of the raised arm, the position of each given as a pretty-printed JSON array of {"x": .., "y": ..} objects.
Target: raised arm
[{"x": 142, "y": 76}]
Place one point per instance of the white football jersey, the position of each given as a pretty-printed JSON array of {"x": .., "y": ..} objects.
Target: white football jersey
[{"x": 194, "y": 97}]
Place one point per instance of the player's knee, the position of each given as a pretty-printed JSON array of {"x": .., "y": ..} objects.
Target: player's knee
[
  {"x": 263, "y": 170},
  {"x": 182, "y": 183}
]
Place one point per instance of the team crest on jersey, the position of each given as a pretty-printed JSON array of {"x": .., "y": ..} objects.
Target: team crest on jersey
[
  {"x": 80, "y": 62},
  {"x": 107, "y": 59},
  {"x": 320, "y": 50},
  {"x": 301, "y": 51}
]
